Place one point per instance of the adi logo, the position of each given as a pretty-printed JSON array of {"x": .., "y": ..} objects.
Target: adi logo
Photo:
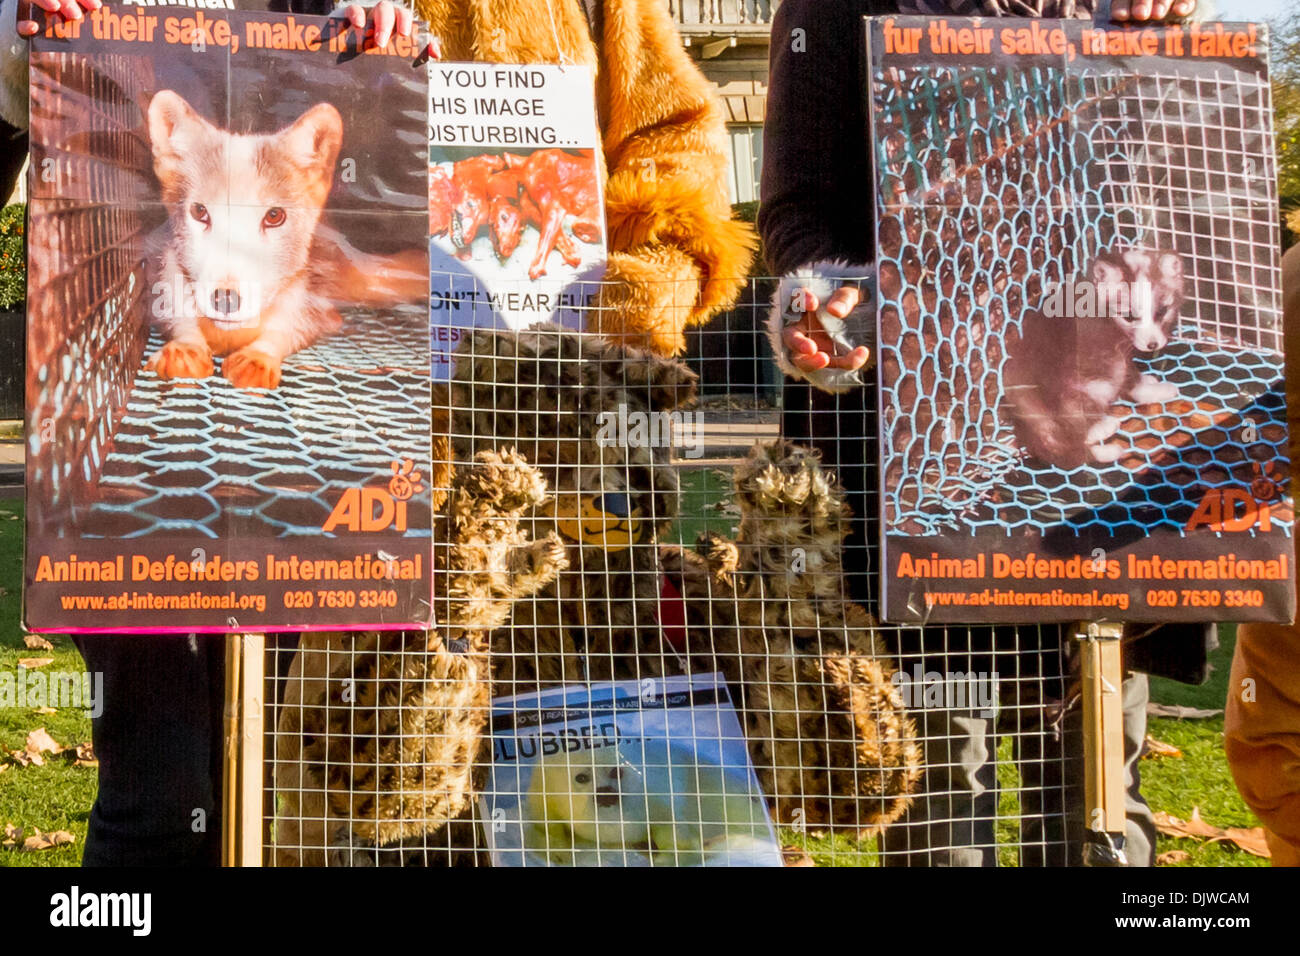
[
  {"x": 1236, "y": 509},
  {"x": 377, "y": 509}
]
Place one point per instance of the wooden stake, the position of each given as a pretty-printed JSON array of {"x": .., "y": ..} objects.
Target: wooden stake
[
  {"x": 251, "y": 747},
  {"x": 230, "y": 760},
  {"x": 241, "y": 778},
  {"x": 1102, "y": 673}
]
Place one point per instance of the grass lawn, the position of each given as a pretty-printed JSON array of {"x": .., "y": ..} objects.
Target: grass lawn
[
  {"x": 1201, "y": 778},
  {"x": 58, "y": 795}
]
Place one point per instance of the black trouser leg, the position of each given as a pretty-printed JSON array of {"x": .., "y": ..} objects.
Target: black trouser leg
[{"x": 159, "y": 744}]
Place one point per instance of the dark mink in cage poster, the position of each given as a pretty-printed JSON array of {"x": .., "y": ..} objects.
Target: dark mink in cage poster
[
  {"x": 1081, "y": 369},
  {"x": 228, "y": 339}
]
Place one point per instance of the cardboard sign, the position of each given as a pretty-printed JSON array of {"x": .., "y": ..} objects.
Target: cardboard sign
[
  {"x": 228, "y": 347},
  {"x": 1081, "y": 358}
]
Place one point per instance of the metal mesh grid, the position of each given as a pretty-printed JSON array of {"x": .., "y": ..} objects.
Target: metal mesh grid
[
  {"x": 204, "y": 457},
  {"x": 86, "y": 282},
  {"x": 1009, "y": 183},
  {"x": 377, "y": 744}
]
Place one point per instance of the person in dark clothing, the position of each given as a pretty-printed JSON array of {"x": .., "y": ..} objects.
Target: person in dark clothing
[{"x": 816, "y": 218}]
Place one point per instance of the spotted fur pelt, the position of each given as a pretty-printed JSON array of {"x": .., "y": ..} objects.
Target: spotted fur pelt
[
  {"x": 827, "y": 728},
  {"x": 379, "y": 733}
]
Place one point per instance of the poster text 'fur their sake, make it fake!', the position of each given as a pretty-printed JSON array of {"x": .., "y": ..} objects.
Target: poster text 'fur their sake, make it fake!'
[
  {"x": 228, "y": 338},
  {"x": 1081, "y": 344}
]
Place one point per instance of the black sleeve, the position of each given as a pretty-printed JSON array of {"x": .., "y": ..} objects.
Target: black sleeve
[{"x": 816, "y": 180}]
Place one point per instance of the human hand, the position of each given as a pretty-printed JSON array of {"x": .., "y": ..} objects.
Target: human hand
[
  {"x": 1146, "y": 11},
  {"x": 810, "y": 346},
  {"x": 388, "y": 19},
  {"x": 71, "y": 10}
]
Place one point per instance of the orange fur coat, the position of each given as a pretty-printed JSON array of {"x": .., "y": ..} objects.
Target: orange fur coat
[{"x": 676, "y": 255}]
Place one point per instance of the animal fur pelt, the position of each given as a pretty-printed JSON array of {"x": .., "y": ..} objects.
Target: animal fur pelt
[
  {"x": 560, "y": 389},
  {"x": 378, "y": 733},
  {"x": 827, "y": 728},
  {"x": 676, "y": 255}
]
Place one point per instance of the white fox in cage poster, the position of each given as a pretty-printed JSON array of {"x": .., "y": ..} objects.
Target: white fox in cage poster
[
  {"x": 516, "y": 216},
  {"x": 1080, "y": 338},
  {"x": 228, "y": 344}
]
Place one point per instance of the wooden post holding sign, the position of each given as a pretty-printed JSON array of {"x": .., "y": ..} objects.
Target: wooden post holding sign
[
  {"x": 241, "y": 787},
  {"x": 1102, "y": 673}
]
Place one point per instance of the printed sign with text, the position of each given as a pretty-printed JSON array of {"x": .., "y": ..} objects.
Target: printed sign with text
[
  {"x": 228, "y": 344},
  {"x": 1081, "y": 343}
]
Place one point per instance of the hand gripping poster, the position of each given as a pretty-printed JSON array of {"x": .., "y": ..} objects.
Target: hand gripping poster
[
  {"x": 516, "y": 214},
  {"x": 1081, "y": 358},
  {"x": 228, "y": 344}
]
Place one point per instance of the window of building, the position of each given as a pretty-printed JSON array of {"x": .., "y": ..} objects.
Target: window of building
[{"x": 746, "y": 160}]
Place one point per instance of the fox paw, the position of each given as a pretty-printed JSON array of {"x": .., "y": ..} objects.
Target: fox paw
[
  {"x": 249, "y": 368},
  {"x": 1150, "y": 391},
  {"x": 1102, "y": 430},
  {"x": 1107, "y": 453},
  {"x": 177, "y": 360}
]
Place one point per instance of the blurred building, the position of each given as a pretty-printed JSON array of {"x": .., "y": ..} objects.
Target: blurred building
[{"x": 729, "y": 41}]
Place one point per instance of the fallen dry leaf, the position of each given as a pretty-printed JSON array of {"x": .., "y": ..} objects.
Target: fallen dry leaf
[
  {"x": 1158, "y": 748},
  {"x": 45, "y": 710},
  {"x": 85, "y": 755},
  {"x": 24, "y": 759},
  {"x": 46, "y": 841},
  {"x": 31, "y": 663},
  {"x": 793, "y": 856},
  {"x": 39, "y": 742},
  {"x": 1171, "y": 825},
  {"x": 1180, "y": 712},
  {"x": 12, "y": 835},
  {"x": 1252, "y": 840},
  {"x": 35, "y": 642},
  {"x": 1172, "y": 857},
  {"x": 3, "y": 767}
]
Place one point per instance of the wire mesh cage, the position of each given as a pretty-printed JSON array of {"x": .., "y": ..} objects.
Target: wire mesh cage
[
  {"x": 612, "y": 522},
  {"x": 87, "y": 281}
]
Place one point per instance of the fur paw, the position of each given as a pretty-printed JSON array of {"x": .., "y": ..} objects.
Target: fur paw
[
  {"x": 1106, "y": 454},
  {"x": 1148, "y": 391},
  {"x": 720, "y": 554},
  {"x": 537, "y": 564},
  {"x": 501, "y": 484},
  {"x": 874, "y": 750},
  {"x": 249, "y": 368},
  {"x": 1104, "y": 428},
  {"x": 177, "y": 360}
]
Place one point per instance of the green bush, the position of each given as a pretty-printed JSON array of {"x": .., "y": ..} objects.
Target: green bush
[
  {"x": 748, "y": 212},
  {"x": 13, "y": 259},
  {"x": 1285, "y": 57}
]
